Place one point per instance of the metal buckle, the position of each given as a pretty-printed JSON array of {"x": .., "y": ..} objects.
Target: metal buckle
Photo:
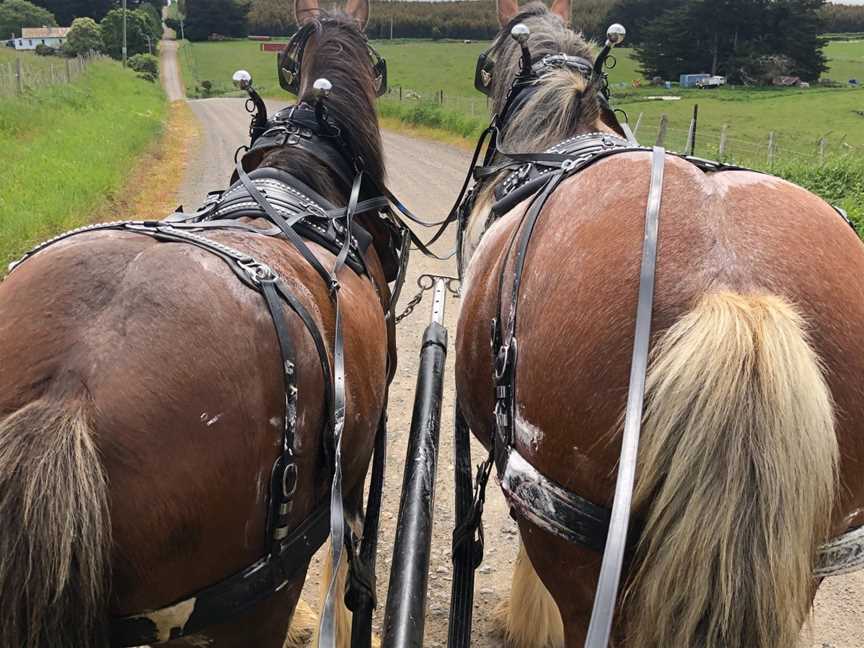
[
  {"x": 257, "y": 271},
  {"x": 289, "y": 480}
]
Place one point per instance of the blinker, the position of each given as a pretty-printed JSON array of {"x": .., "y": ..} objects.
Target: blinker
[{"x": 289, "y": 62}]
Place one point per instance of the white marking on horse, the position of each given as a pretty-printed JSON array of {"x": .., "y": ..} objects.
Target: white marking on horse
[
  {"x": 528, "y": 434},
  {"x": 174, "y": 617},
  {"x": 725, "y": 182}
]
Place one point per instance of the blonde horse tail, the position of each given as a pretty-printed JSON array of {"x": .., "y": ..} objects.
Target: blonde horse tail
[
  {"x": 736, "y": 480},
  {"x": 55, "y": 531}
]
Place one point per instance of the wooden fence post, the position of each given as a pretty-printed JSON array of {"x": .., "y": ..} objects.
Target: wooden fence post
[
  {"x": 771, "y": 151},
  {"x": 19, "y": 74},
  {"x": 68, "y": 71},
  {"x": 691, "y": 134},
  {"x": 638, "y": 123},
  {"x": 721, "y": 152},
  {"x": 661, "y": 132},
  {"x": 821, "y": 150}
]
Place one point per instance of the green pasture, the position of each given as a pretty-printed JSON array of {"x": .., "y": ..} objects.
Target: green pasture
[
  {"x": 68, "y": 148},
  {"x": 846, "y": 60},
  {"x": 29, "y": 60}
]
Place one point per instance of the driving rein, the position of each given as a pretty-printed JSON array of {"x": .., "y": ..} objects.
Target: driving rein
[{"x": 298, "y": 214}]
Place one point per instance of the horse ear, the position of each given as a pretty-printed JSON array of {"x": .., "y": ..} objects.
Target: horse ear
[
  {"x": 305, "y": 10},
  {"x": 561, "y": 8},
  {"x": 506, "y": 10},
  {"x": 359, "y": 11}
]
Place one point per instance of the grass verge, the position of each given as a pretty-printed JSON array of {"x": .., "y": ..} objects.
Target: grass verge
[{"x": 69, "y": 149}]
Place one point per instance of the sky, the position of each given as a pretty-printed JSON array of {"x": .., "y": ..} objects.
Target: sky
[{"x": 858, "y": 2}]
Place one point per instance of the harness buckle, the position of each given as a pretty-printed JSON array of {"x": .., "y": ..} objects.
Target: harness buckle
[
  {"x": 257, "y": 272},
  {"x": 289, "y": 480},
  {"x": 568, "y": 164}
]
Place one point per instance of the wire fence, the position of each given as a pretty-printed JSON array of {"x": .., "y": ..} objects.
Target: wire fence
[
  {"x": 21, "y": 75},
  {"x": 721, "y": 142}
]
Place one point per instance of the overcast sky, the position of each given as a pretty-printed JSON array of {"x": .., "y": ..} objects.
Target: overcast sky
[{"x": 861, "y": 2}]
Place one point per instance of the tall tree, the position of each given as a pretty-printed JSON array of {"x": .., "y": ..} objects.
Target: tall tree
[
  {"x": 223, "y": 17},
  {"x": 68, "y": 10},
  {"x": 15, "y": 14},
  {"x": 137, "y": 30},
  {"x": 745, "y": 40}
]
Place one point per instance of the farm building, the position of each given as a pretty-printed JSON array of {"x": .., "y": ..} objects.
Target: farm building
[{"x": 31, "y": 37}]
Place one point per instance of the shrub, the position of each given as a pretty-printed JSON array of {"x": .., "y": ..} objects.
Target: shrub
[
  {"x": 45, "y": 50},
  {"x": 146, "y": 66},
  {"x": 84, "y": 37}
]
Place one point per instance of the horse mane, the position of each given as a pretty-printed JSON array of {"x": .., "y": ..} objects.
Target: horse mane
[
  {"x": 565, "y": 102},
  {"x": 340, "y": 54}
]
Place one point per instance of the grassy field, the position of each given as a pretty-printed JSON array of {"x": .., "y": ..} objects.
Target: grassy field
[
  {"x": 68, "y": 149},
  {"x": 846, "y": 60}
]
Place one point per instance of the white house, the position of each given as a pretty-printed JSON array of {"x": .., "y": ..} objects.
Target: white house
[{"x": 33, "y": 36}]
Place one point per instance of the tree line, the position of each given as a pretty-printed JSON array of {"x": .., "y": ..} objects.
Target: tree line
[{"x": 748, "y": 41}]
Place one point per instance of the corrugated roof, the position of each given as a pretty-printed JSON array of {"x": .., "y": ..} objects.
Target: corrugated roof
[{"x": 44, "y": 32}]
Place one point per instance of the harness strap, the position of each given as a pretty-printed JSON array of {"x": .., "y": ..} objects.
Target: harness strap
[
  {"x": 283, "y": 225},
  {"x": 360, "y": 596},
  {"x": 468, "y": 540},
  {"x": 616, "y": 541}
]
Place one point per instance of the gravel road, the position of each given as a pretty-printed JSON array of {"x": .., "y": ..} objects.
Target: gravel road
[{"x": 426, "y": 176}]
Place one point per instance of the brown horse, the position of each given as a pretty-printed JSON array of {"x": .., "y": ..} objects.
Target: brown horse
[
  {"x": 753, "y": 436},
  {"x": 142, "y": 400}
]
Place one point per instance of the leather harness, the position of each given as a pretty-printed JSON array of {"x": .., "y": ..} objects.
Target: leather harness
[
  {"x": 532, "y": 495},
  {"x": 298, "y": 214}
]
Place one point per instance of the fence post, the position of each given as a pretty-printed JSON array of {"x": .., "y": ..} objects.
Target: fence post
[
  {"x": 638, "y": 123},
  {"x": 771, "y": 146},
  {"x": 68, "y": 71},
  {"x": 721, "y": 153},
  {"x": 691, "y": 134},
  {"x": 821, "y": 150},
  {"x": 19, "y": 74},
  {"x": 661, "y": 132},
  {"x": 400, "y": 93}
]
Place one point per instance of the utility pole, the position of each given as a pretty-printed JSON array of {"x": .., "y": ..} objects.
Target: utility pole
[
  {"x": 391, "y": 27},
  {"x": 124, "y": 33}
]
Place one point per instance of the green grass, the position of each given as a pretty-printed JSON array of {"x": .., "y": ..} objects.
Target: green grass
[
  {"x": 846, "y": 60},
  {"x": 70, "y": 148}
]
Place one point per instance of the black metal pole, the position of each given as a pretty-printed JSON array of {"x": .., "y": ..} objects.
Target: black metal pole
[{"x": 404, "y": 618}]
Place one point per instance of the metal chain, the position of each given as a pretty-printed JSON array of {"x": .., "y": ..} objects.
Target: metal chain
[
  {"x": 427, "y": 282},
  {"x": 416, "y": 299}
]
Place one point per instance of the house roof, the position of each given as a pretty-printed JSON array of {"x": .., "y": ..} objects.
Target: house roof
[{"x": 44, "y": 32}]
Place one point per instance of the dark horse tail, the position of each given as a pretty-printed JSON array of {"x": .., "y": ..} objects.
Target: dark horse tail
[
  {"x": 736, "y": 479},
  {"x": 55, "y": 529}
]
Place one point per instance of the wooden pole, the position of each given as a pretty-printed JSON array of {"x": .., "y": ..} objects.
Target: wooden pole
[
  {"x": 68, "y": 70},
  {"x": 721, "y": 153},
  {"x": 691, "y": 134},
  {"x": 821, "y": 150},
  {"x": 771, "y": 145},
  {"x": 661, "y": 131},
  {"x": 19, "y": 75}
]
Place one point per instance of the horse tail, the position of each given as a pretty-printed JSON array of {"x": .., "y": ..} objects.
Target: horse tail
[
  {"x": 55, "y": 532},
  {"x": 736, "y": 479}
]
